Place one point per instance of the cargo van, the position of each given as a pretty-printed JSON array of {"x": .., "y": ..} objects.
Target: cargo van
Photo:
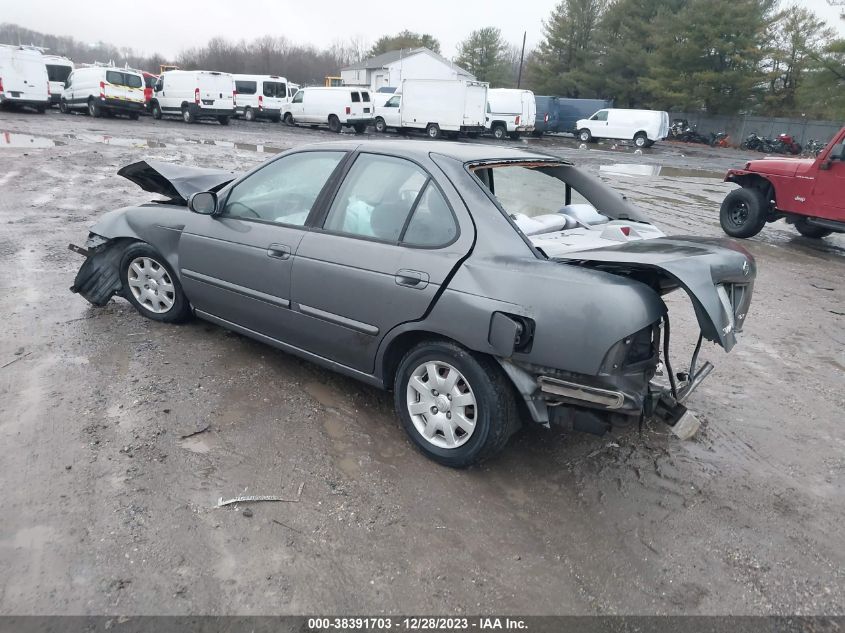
[
  {"x": 569, "y": 111},
  {"x": 23, "y": 78},
  {"x": 58, "y": 70},
  {"x": 643, "y": 127},
  {"x": 104, "y": 90},
  {"x": 438, "y": 106},
  {"x": 510, "y": 112},
  {"x": 260, "y": 96},
  {"x": 194, "y": 95},
  {"x": 337, "y": 107}
]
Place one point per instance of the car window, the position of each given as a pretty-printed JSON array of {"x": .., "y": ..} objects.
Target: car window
[
  {"x": 365, "y": 96},
  {"x": 245, "y": 87},
  {"x": 356, "y": 97},
  {"x": 58, "y": 73},
  {"x": 393, "y": 103},
  {"x": 531, "y": 192},
  {"x": 69, "y": 81},
  {"x": 376, "y": 197},
  {"x": 285, "y": 190},
  {"x": 601, "y": 115},
  {"x": 149, "y": 81},
  {"x": 297, "y": 98},
  {"x": 432, "y": 223}
]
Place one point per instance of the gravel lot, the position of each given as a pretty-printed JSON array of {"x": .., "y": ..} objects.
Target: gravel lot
[{"x": 107, "y": 509}]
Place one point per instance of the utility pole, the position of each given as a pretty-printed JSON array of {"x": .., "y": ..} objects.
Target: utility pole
[{"x": 521, "y": 60}]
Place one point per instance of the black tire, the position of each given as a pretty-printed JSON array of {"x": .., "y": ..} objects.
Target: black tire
[
  {"x": 155, "y": 109},
  {"x": 179, "y": 311},
  {"x": 223, "y": 120},
  {"x": 499, "y": 132},
  {"x": 641, "y": 139},
  {"x": 495, "y": 411},
  {"x": 134, "y": 116},
  {"x": 360, "y": 128},
  {"x": 94, "y": 108},
  {"x": 63, "y": 107},
  {"x": 249, "y": 114},
  {"x": 811, "y": 230},
  {"x": 536, "y": 133},
  {"x": 743, "y": 212},
  {"x": 187, "y": 115},
  {"x": 288, "y": 119},
  {"x": 515, "y": 136},
  {"x": 584, "y": 136},
  {"x": 432, "y": 130},
  {"x": 334, "y": 124},
  {"x": 380, "y": 125},
  {"x": 41, "y": 109}
]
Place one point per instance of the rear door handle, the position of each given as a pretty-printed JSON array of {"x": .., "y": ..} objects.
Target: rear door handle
[
  {"x": 411, "y": 278},
  {"x": 278, "y": 251}
]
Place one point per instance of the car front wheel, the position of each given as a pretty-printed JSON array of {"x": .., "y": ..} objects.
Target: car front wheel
[
  {"x": 811, "y": 230},
  {"x": 458, "y": 408},
  {"x": 584, "y": 136},
  {"x": 150, "y": 285},
  {"x": 743, "y": 212}
]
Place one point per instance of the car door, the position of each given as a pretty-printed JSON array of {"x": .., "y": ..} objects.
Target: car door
[
  {"x": 392, "y": 111},
  {"x": 828, "y": 190},
  {"x": 598, "y": 124},
  {"x": 297, "y": 106},
  {"x": 389, "y": 241},
  {"x": 236, "y": 265}
]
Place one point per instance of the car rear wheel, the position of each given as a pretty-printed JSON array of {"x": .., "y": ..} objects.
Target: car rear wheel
[
  {"x": 640, "y": 139},
  {"x": 584, "y": 136},
  {"x": 499, "y": 132},
  {"x": 458, "y": 408},
  {"x": 150, "y": 285},
  {"x": 288, "y": 118},
  {"x": 134, "y": 116},
  {"x": 381, "y": 126},
  {"x": 188, "y": 116},
  {"x": 63, "y": 107},
  {"x": 249, "y": 114},
  {"x": 810, "y": 230},
  {"x": 94, "y": 108},
  {"x": 743, "y": 212},
  {"x": 334, "y": 124},
  {"x": 433, "y": 130},
  {"x": 155, "y": 108}
]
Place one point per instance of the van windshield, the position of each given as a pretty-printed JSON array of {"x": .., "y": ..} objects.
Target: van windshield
[
  {"x": 58, "y": 73},
  {"x": 129, "y": 80}
]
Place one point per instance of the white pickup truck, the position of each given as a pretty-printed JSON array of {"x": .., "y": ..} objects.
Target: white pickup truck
[
  {"x": 510, "y": 112},
  {"x": 438, "y": 106}
]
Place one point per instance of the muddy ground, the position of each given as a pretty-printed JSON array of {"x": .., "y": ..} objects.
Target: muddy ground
[{"x": 106, "y": 509}]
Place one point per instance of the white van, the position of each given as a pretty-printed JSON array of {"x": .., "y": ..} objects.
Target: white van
[
  {"x": 438, "y": 106},
  {"x": 260, "y": 96},
  {"x": 510, "y": 112},
  {"x": 23, "y": 78},
  {"x": 104, "y": 90},
  {"x": 335, "y": 107},
  {"x": 193, "y": 95},
  {"x": 58, "y": 70},
  {"x": 643, "y": 127}
]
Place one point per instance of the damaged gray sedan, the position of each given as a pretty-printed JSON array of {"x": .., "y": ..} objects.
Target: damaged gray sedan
[{"x": 483, "y": 286}]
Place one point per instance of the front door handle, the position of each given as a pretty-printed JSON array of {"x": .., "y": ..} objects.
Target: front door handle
[
  {"x": 278, "y": 251},
  {"x": 411, "y": 278}
]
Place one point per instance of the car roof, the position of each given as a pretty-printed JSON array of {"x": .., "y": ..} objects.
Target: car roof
[{"x": 464, "y": 152}]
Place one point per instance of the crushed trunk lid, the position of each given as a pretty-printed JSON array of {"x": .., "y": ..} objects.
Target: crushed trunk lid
[
  {"x": 717, "y": 274},
  {"x": 176, "y": 182}
]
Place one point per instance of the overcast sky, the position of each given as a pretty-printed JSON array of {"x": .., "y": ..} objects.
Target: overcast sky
[{"x": 170, "y": 26}]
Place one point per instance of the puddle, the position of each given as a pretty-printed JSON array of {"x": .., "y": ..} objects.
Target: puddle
[
  {"x": 150, "y": 143},
  {"x": 650, "y": 171},
  {"x": 13, "y": 139}
]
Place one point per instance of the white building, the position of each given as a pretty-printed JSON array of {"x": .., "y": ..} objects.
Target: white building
[{"x": 389, "y": 69}]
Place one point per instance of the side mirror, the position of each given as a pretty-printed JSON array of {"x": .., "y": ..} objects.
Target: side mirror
[{"x": 203, "y": 202}]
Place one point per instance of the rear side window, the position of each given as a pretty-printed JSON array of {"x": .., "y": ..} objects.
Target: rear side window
[
  {"x": 356, "y": 97},
  {"x": 376, "y": 198},
  {"x": 246, "y": 87},
  {"x": 129, "y": 80},
  {"x": 432, "y": 223},
  {"x": 274, "y": 89}
]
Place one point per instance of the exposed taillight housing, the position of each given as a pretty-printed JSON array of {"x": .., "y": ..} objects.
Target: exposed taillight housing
[
  {"x": 102, "y": 90},
  {"x": 197, "y": 96},
  {"x": 234, "y": 97},
  {"x": 348, "y": 110},
  {"x": 516, "y": 121},
  {"x": 260, "y": 102}
]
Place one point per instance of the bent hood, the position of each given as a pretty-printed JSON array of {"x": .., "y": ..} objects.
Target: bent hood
[
  {"x": 717, "y": 274},
  {"x": 176, "y": 182}
]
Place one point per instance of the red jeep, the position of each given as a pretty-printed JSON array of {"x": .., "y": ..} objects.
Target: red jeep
[{"x": 809, "y": 193}]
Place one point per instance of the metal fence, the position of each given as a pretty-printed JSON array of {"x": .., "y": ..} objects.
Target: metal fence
[{"x": 738, "y": 127}]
